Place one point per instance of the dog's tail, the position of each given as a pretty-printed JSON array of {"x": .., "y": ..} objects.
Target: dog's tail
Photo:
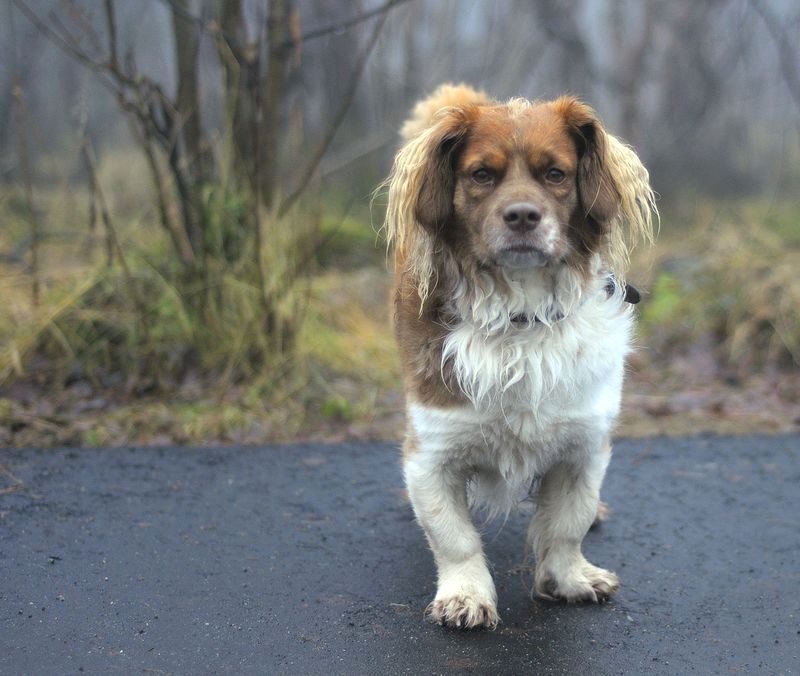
[{"x": 445, "y": 96}]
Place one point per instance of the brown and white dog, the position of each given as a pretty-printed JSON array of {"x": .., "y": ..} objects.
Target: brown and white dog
[{"x": 511, "y": 225}]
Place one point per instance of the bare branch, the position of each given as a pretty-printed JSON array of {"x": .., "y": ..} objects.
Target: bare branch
[
  {"x": 64, "y": 44},
  {"x": 113, "y": 244},
  {"x": 347, "y": 100},
  {"x": 180, "y": 240},
  {"x": 210, "y": 27},
  {"x": 149, "y": 105},
  {"x": 213, "y": 28},
  {"x": 111, "y": 26},
  {"x": 25, "y": 168},
  {"x": 96, "y": 199},
  {"x": 111, "y": 74},
  {"x": 343, "y": 25}
]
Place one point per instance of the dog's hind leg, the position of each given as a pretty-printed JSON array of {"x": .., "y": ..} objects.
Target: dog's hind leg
[{"x": 602, "y": 514}]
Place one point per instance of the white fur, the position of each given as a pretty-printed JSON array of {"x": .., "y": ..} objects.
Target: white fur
[{"x": 542, "y": 399}]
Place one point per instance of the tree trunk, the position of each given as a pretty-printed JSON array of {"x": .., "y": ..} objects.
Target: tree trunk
[
  {"x": 190, "y": 153},
  {"x": 254, "y": 94},
  {"x": 187, "y": 102},
  {"x": 240, "y": 65},
  {"x": 278, "y": 45}
]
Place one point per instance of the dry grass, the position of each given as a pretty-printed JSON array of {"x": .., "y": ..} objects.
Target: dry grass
[
  {"x": 727, "y": 274},
  {"x": 719, "y": 322}
]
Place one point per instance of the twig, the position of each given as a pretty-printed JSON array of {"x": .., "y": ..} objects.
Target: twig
[
  {"x": 63, "y": 44},
  {"x": 347, "y": 100},
  {"x": 111, "y": 74},
  {"x": 146, "y": 102},
  {"x": 111, "y": 233},
  {"x": 93, "y": 215},
  {"x": 17, "y": 484},
  {"x": 177, "y": 234},
  {"x": 339, "y": 27},
  {"x": 96, "y": 201},
  {"x": 111, "y": 26},
  {"x": 25, "y": 168},
  {"x": 212, "y": 28},
  {"x": 324, "y": 241}
]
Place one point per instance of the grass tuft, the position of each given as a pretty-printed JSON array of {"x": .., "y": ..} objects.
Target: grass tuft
[{"x": 732, "y": 280}]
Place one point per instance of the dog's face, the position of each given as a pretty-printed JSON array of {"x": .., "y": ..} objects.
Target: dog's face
[
  {"x": 515, "y": 188},
  {"x": 518, "y": 186}
]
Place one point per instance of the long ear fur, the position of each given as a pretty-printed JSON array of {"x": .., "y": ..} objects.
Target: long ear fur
[
  {"x": 421, "y": 197},
  {"x": 421, "y": 183},
  {"x": 613, "y": 184}
]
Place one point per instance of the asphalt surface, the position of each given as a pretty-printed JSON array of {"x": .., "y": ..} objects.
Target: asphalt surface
[{"x": 305, "y": 559}]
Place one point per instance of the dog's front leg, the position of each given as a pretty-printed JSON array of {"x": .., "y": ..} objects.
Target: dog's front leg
[
  {"x": 566, "y": 506},
  {"x": 465, "y": 596}
]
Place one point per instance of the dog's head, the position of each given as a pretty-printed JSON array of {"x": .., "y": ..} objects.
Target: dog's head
[{"x": 516, "y": 185}]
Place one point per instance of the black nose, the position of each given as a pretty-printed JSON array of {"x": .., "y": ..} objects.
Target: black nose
[{"x": 522, "y": 216}]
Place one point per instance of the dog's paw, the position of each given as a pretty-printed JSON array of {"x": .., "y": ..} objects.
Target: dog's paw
[
  {"x": 583, "y": 584},
  {"x": 464, "y": 611}
]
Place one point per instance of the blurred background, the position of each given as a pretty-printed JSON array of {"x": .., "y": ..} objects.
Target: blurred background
[{"x": 188, "y": 249}]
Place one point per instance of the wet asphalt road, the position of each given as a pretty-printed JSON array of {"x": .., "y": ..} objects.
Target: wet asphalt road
[{"x": 305, "y": 559}]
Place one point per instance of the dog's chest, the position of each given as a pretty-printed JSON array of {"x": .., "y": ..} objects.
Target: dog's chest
[
  {"x": 539, "y": 370},
  {"x": 535, "y": 396}
]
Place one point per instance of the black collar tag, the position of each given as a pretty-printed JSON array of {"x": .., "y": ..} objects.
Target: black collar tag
[{"x": 632, "y": 294}]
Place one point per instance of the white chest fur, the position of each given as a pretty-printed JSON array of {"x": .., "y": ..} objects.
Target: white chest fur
[{"x": 537, "y": 393}]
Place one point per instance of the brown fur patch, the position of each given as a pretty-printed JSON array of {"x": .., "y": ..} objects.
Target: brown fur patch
[{"x": 420, "y": 337}]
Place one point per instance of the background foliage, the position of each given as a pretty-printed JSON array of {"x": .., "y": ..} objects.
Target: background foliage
[{"x": 186, "y": 246}]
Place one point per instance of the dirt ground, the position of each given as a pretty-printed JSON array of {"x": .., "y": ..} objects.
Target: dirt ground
[{"x": 681, "y": 400}]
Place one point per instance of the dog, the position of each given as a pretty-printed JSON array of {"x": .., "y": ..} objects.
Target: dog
[{"x": 511, "y": 226}]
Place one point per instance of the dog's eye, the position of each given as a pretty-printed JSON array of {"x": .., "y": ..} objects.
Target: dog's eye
[
  {"x": 555, "y": 175},
  {"x": 482, "y": 176}
]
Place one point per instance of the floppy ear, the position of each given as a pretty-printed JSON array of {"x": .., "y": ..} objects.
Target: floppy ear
[
  {"x": 613, "y": 185},
  {"x": 421, "y": 188},
  {"x": 434, "y": 198},
  {"x": 597, "y": 188}
]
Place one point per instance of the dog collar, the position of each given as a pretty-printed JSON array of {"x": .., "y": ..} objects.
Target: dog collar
[{"x": 632, "y": 296}]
